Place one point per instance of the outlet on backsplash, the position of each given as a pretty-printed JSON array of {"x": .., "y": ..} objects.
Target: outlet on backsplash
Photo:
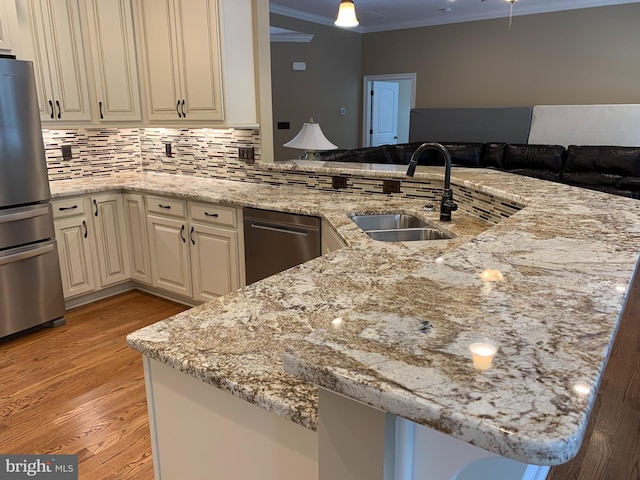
[
  {"x": 247, "y": 154},
  {"x": 391, "y": 186},
  {"x": 66, "y": 152}
]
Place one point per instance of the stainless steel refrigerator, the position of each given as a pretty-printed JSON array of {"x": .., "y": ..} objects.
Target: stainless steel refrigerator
[{"x": 30, "y": 282}]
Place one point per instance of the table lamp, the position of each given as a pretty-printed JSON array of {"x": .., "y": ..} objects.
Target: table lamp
[{"x": 311, "y": 139}]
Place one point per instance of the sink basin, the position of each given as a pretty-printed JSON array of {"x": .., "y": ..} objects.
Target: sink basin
[
  {"x": 407, "y": 234},
  {"x": 388, "y": 222},
  {"x": 398, "y": 227}
]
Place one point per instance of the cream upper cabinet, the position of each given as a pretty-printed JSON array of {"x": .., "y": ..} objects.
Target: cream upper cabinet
[
  {"x": 8, "y": 25},
  {"x": 179, "y": 46},
  {"x": 113, "y": 54},
  {"x": 53, "y": 41}
]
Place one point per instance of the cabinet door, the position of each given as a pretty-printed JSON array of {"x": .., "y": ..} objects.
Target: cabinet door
[
  {"x": 114, "y": 61},
  {"x": 214, "y": 261},
  {"x": 169, "y": 251},
  {"x": 113, "y": 254},
  {"x": 199, "y": 58},
  {"x": 31, "y": 15},
  {"x": 74, "y": 251},
  {"x": 7, "y": 17},
  {"x": 160, "y": 63},
  {"x": 56, "y": 50},
  {"x": 136, "y": 232}
]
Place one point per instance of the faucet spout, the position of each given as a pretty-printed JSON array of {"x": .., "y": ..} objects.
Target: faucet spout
[{"x": 447, "y": 205}]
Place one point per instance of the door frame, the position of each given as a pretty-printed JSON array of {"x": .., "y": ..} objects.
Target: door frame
[{"x": 366, "y": 104}]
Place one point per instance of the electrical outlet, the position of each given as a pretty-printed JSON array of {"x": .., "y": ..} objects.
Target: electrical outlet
[
  {"x": 247, "y": 154},
  {"x": 391, "y": 186},
  {"x": 66, "y": 152},
  {"x": 338, "y": 182},
  {"x": 167, "y": 150}
]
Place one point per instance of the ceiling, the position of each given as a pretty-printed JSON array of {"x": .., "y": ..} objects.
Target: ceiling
[{"x": 380, "y": 15}]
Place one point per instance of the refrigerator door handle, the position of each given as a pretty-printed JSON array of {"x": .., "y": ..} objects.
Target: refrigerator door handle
[
  {"x": 14, "y": 217},
  {"x": 16, "y": 257}
]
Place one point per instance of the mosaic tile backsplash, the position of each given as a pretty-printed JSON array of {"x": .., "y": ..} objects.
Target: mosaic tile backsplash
[{"x": 214, "y": 153}]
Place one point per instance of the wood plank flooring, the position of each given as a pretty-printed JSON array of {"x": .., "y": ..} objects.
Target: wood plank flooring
[
  {"x": 80, "y": 389},
  {"x": 611, "y": 448}
]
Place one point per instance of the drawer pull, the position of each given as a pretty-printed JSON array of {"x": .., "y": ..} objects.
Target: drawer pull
[
  {"x": 215, "y": 215},
  {"x": 73, "y": 207},
  {"x": 168, "y": 207}
]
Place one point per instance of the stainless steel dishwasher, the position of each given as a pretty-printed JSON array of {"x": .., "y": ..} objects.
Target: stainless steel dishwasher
[{"x": 276, "y": 241}]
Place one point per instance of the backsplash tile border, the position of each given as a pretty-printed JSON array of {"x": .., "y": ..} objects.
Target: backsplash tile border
[{"x": 213, "y": 153}]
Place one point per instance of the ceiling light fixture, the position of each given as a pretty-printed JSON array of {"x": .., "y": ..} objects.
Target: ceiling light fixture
[
  {"x": 511, "y": 11},
  {"x": 347, "y": 15}
]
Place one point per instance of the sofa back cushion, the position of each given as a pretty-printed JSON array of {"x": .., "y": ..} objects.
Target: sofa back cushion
[
  {"x": 602, "y": 165},
  {"x": 540, "y": 161},
  {"x": 462, "y": 154},
  {"x": 492, "y": 155}
]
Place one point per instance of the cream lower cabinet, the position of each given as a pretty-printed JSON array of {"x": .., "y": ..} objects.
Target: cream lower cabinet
[
  {"x": 135, "y": 220},
  {"x": 216, "y": 263},
  {"x": 92, "y": 244},
  {"x": 195, "y": 255},
  {"x": 168, "y": 247},
  {"x": 112, "y": 248},
  {"x": 75, "y": 246}
]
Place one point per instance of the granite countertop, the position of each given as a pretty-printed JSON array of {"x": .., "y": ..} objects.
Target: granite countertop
[{"x": 390, "y": 324}]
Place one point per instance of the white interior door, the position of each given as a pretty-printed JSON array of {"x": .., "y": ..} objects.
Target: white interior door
[{"x": 384, "y": 113}]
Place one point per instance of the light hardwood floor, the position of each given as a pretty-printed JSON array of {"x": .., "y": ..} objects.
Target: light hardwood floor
[{"x": 80, "y": 389}]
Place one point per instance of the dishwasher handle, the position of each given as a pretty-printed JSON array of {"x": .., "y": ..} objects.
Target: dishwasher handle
[{"x": 273, "y": 227}]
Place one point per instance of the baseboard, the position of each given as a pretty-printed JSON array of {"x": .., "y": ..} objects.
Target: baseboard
[{"x": 126, "y": 287}]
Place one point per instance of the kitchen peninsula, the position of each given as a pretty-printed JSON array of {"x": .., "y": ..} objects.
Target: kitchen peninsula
[{"x": 389, "y": 325}]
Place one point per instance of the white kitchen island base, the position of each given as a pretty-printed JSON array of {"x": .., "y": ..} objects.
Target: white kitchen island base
[
  {"x": 201, "y": 432},
  {"x": 358, "y": 442}
]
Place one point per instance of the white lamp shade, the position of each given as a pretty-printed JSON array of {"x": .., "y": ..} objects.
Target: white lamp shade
[
  {"x": 310, "y": 137},
  {"x": 346, "y": 15}
]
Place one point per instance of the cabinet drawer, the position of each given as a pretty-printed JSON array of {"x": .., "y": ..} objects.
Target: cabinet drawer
[
  {"x": 68, "y": 207},
  {"x": 167, "y": 206},
  {"x": 216, "y": 214}
]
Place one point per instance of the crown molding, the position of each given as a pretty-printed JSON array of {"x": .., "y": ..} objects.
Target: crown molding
[
  {"x": 309, "y": 17},
  {"x": 519, "y": 9}
]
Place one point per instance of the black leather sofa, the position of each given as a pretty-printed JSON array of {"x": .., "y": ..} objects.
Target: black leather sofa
[{"x": 610, "y": 169}]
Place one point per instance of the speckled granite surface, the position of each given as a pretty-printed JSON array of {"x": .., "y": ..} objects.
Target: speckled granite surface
[{"x": 409, "y": 311}]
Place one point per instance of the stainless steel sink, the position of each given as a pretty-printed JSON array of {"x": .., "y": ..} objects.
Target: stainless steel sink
[
  {"x": 388, "y": 221},
  {"x": 407, "y": 234},
  {"x": 397, "y": 228}
]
